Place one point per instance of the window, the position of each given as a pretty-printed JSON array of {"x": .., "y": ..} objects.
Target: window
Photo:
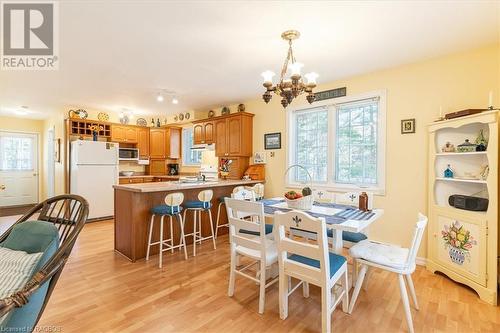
[
  {"x": 189, "y": 156},
  {"x": 341, "y": 145},
  {"x": 16, "y": 152}
]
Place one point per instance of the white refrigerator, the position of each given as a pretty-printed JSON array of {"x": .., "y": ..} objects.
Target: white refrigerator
[{"x": 94, "y": 171}]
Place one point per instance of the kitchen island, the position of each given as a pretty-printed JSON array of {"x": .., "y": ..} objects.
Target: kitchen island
[{"x": 132, "y": 212}]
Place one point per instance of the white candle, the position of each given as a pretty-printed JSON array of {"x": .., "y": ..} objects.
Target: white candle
[
  {"x": 490, "y": 99},
  {"x": 440, "y": 112}
]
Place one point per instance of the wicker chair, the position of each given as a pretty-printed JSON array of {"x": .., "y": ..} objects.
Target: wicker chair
[{"x": 68, "y": 213}]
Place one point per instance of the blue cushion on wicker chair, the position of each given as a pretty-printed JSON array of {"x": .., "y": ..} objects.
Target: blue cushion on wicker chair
[{"x": 31, "y": 237}]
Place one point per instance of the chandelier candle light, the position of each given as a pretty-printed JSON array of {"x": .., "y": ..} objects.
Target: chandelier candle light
[{"x": 290, "y": 88}]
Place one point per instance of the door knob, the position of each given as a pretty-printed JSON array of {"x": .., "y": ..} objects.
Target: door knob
[{"x": 2, "y": 187}]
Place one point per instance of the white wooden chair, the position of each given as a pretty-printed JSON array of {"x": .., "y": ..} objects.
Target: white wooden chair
[
  {"x": 172, "y": 207},
  {"x": 222, "y": 202},
  {"x": 203, "y": 204},
  {"x": 391, "y": 258},
  {"x": 352, "y": 199},
  {"x": 260, "y": 248},
  {"x": 321, "y": 195},
  {"x": 259, "y": 191},
  {"x": 310, "y": 263}
]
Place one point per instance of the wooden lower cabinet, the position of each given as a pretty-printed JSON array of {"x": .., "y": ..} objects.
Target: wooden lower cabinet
[
  {"x": 157, "y": 167},
  {"x": 133, "y": 180}
]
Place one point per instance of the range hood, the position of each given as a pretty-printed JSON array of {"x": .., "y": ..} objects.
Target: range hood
[{"x": 204, "y": 146}]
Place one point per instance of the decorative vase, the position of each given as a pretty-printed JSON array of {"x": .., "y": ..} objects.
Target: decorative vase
[
  {"x": 94, "y": 135},
  {"x": 224, "y": 174},
  {"x": 457, "y": 255}
]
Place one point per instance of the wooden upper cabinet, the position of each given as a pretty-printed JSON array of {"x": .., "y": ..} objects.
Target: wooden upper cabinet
[
  {"x": 143, "y": 142},
  {"x": 234, "y": 136},
  {"x": 123, "y": 133},
  {"x": 157, "y": 167},
  {"x": 174, "y": 142},
  {"x": 158, "y": 143},
  {"x": 198, "y": 134},
  {"x": 208, "y": 131},
  {"x": 221, "y": 138}
]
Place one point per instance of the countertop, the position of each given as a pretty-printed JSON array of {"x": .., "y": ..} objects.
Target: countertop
[
  {"x": 176, "y": 186},
  {"x": 151, "y": 176}
]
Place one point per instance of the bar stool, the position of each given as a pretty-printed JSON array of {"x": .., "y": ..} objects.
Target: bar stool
[
  {"x": 222, "y": 202},
  {"x": 203, "y": 204},
  {"x": 171, "y": 208}
]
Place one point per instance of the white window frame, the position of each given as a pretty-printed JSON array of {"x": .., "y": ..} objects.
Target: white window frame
[
  {"x": 331, "y": 105},
  {"x": 184, "y": 163}
]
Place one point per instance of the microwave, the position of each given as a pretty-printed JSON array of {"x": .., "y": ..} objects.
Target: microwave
[{"x": 128, "y": 154}]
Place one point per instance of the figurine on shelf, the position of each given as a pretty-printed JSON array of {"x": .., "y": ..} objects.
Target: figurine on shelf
[
  {"x": 466, "y": 147},
  {"x": 448, "y": 148},
  {"x": 481, "y": 142},
  {"x": 484, "y": 171},
  {"x": 224, "y": 167},
  {"x": 448, "y": 173}
]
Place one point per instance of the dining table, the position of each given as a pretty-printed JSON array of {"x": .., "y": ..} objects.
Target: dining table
[{"x": 338, "y": 218}]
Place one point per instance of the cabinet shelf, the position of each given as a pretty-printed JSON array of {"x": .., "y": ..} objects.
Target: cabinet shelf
[
  {"x": 467, "y": 153},
  {"x": 475, "y": 181}
]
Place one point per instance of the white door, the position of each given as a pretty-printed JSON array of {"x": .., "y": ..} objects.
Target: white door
[{"x": 18, "y": 168}]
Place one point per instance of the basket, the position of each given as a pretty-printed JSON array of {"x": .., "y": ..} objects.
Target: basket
[{"x": 304, "y": 203}]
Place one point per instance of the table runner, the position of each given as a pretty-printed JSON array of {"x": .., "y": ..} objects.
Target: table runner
[{"x": 346, "y": 213}]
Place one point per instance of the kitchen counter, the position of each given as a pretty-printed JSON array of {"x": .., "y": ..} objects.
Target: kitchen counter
[
  {"x": 151, "y": 176},
  {"x": 133, "y": 203},
  {"x": 177, "y": 186}
]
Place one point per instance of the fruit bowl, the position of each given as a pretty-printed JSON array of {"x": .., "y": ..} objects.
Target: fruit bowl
[{"x": 302, "y": 200}]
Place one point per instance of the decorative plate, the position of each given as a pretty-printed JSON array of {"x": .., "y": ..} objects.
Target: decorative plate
[
  {"x": 225, "y": 110},
  {"x": 187, "y": 116},
  {"x": 176, "y": 118},
  {"x": 181, "y": 117},
  {"x": 211, "y": 113},
  {"x": 80, "y": 114},
  {"x": 141, "y": 122},
  {"x": 102, "y": 116}
]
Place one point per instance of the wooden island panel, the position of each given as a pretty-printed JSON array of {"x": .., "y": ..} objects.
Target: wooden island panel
[{"x": 132, "y": 216}]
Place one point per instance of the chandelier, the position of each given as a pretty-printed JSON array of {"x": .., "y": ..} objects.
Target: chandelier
[{"x": 290, "y": 88}]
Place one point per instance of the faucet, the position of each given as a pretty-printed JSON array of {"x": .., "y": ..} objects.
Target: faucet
[{"x": 201, "y": 177}]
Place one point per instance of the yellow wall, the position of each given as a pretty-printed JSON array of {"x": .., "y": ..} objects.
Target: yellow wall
[
  {"x": 29, "y": 126},
  {"x": 455, "y": 82}
]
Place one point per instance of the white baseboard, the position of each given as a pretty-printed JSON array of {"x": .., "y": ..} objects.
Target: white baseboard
[{"x": 421, "y": 261}]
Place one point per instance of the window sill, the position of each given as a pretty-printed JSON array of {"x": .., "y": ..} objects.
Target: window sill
[{"x": 340, "y": 188}]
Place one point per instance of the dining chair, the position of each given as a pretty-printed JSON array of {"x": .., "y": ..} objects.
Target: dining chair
[
  {"x": 322, "y": 195},
  {"x": 352, "y": 199},
  {"x": 391, "y": 258},
  {"x": 259, "y": 248},
  {"x": 222, "y": 202},
  {"x": 259, "y": 191},
  {"x": 310, "y": 263}
]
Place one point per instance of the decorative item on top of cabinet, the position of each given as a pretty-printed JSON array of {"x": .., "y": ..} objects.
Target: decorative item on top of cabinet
[
  {"x": 225, "y": 111},
  {"x": 78, "y": 114},
  {"x": 187, "y": 116},
  {"x": 463, "y": 244},
  {"x": 181, "y": 117},
  {"x": 211, "y": 113},
  {"x": 103, "y": 116},
  {"x": 141, "y": 122},
  {"x": 241, "y": 107},
  {"x": 124, "y": 119}
]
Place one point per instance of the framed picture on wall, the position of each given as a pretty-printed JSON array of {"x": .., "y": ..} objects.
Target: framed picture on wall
[
  {"x": 408, "y": 126},
  {"x": 272, "y": 140}
]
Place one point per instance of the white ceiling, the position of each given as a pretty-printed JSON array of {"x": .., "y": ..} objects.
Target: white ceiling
[{"x": 116, "y": 54}]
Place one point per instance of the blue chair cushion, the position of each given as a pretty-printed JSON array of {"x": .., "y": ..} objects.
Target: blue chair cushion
[
  {"x": 353, "y": 237},
  {"x": 336, "y": 261},
  {"x": 31, "y": 237},
  {"x": 166, "y": 210},
  {"x": 269, "y": 229},
  {"x": 197, "y": 204}
]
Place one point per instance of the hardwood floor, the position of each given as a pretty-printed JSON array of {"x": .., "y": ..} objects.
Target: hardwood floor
[{"x": 101, "y": 291}]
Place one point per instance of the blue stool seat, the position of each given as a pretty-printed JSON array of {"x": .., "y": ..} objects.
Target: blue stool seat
[
  {"x": 353, "y": 237},
  {"x": 336, "y": 261},
  {"x": 197, "y": 205},
  {"x": 166, "y": 210},
  {"x": 269, "y": 229}
]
